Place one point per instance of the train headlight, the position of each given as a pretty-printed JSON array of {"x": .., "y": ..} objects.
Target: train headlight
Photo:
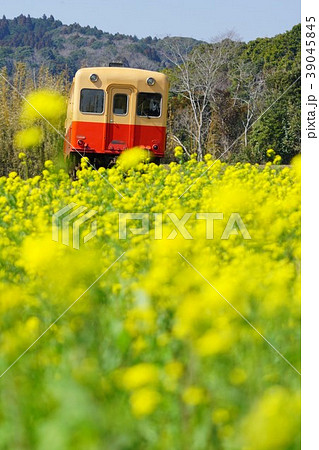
[
  {"x": 150, "y": 81},
  {"x": 94, "y": 77}
]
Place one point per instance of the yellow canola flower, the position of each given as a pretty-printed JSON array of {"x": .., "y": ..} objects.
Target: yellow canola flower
[
  {"x": 131, "y": 158},
  {"x": 29, "y": 138},
  {"x": 140, "y": 319},
  {"x": 38, "y": 253},
  {"x": 274, "y": 422},
  {"x": 270, "y": 153},
  {"x": 140, "y": 375},
  {"x": 194, "y": 395},
  {"x": 296, "y": 164},
  {"x": 46, "y": 104},
  {"x": 48, "y": 164},
  {"x": 144, "y": 401},
  {"x": 178, "y": 151},
  {"x": 220, "y": 416},
  {"x": 277, "y": 159},
  {"x": 139, "y": 345},
  {"x": 174, "y": 369},
  {"x": 238, "y": 376},
  {"x": 213, "y": 342},
  {"x": 208, "y": 157},
  {"x": 32, "y": 325},
  {"x": 153, "y": 307}
]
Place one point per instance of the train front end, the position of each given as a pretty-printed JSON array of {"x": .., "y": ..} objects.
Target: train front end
[{"x": 112, "y": 109}]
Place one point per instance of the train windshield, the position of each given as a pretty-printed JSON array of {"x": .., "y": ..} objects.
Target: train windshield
[
  {"x": 120, "y": 102},
  {"x": 149, "y": 104},
  {"x": 92, "y": 101}
]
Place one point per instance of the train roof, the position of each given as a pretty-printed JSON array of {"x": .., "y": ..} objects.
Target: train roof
[{"x": 120, "y": 75}]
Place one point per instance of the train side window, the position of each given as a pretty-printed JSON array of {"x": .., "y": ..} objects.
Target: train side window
[
  {"x": 92, "y": 101},
  {"x": 120, "y": 104},
  {"x": 149, "y": 104}
]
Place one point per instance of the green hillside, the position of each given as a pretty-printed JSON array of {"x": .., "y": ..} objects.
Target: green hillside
[{"x": 47, "y": 41}]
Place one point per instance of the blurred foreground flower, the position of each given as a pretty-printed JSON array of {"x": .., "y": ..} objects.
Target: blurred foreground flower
[
  {"x": 296, "y": 164},
  {"x": 194, "y": 395},
  {"x": 26, "y": 139},
  {"x": 274, "y": 421},
  {"x": 132, "y": 157},
  {"x": 140, "y": 375},
  {"x": 144, "y": 401},
  {"x": 150, "y": 355},
  {"x": 44, "y": 104}
]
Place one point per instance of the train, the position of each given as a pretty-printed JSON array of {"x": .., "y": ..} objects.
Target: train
[{"x": 112, "y": 109}]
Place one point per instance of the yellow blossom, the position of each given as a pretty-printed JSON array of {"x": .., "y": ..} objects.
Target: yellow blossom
[
  {"x": 270, "y": 153},
  {"x": 194, "y": 395},
  {"x": 220, "y": 415},
  {"x": 132, "y": 157},
  {"x": 238, "y": 376},
  {"x": 140, "y": 375},
  {"x": 274, "y": 422},
  {"x": 178, "y": 151},
  {"x": 44, "y": 104},
  {"x": 144, "y": 401},
  {"x": 29, "y": 138},
  {"x": 174, "y": 369}
]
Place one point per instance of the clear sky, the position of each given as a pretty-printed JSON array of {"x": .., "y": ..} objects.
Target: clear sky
[{"x": 201, "y": 19}]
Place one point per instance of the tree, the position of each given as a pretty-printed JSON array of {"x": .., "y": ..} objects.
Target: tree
[
  {"x": 4, "y": 27},
  {"x": 226, "y": 126},
  {"x": 249, "y": 92},
  {"x": 197, "y": 77}
]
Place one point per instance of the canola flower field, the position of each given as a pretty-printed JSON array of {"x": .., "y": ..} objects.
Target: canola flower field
[{"x": 153, "y": 355}]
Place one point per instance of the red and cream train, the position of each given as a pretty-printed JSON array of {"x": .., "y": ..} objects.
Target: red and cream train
[{"x": 112, "y": 109}]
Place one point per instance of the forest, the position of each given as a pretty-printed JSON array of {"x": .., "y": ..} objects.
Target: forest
[{"x": 240, "y": 100}]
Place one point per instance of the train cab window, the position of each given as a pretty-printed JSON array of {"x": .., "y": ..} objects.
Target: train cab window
[
  {"x": 149, "y": 104},
  {"x": 92, "y": 101},
  {"x": 120, "y": 104}
]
